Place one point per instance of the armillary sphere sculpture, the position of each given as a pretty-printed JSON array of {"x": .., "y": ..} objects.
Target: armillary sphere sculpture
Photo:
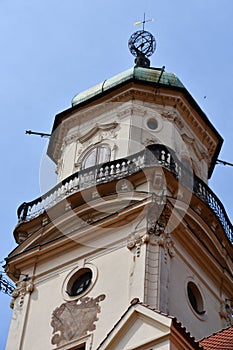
[{"x": 142, "y": 45}]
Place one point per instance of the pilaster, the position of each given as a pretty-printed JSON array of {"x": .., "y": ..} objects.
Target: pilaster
[{"x": 20, "y": 304}]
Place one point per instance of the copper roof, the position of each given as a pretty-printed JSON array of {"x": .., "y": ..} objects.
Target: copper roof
[
  {"x": 151, "y": 75},
  {"x": 222, "y": 340}
]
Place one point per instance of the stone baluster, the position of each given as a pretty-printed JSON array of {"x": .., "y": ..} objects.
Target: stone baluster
[
  {"x": 162, "y": 158},
  {"x": 112, "y": 170},
  {"x": 76, "y": 182},
  {"x": 168, "y": 159},
  {"x": 117, "y": 168},
  {"x": 106, "y": 172},
  {"x": 101, "y": 172},
  {"x": 123, "y": 167}
]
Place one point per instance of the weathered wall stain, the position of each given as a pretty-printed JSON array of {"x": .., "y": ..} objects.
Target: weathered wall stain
[{"x": 74, "y": 319}]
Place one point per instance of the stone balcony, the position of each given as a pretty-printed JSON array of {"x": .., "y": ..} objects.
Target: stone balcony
[{"x": 154, "y": 155}]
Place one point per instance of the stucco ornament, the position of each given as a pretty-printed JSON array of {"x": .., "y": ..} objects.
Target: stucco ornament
[
  {"x": 226, "y": 312},
  {"x": 75, "y": 319},
  {"x": 22, "y": 288},
  {"x": 157, "y": 220},
  {"x": 158, "y": 215},
  {"x": 135, "y": 240},
  {"x": 165, "y": 241}
]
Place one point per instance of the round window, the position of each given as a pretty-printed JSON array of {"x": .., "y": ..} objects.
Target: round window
[
  {"x": 152, "y": 123},
  {"x": 79, "y": 282},
  {"x": 195, "y": 298}
]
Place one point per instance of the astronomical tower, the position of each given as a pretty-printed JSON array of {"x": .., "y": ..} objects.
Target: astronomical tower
[{"x": 131, "y": 249}]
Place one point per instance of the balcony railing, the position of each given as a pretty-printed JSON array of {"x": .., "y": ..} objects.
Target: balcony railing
[{"x": 154, "y": 155}]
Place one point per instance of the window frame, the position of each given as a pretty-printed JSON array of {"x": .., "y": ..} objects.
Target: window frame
[
  {"x": 73, "y": 275},
  {"x": 98, "y": 160},
  {"x": 78, "y": 344},
  {"x": 200, "y": 309}
]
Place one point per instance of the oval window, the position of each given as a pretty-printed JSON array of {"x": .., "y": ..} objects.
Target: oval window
[
  {"x": 79, "y": 283},
  {"x": 195, "y": 298},
  {"x": 152, "y": 123}
]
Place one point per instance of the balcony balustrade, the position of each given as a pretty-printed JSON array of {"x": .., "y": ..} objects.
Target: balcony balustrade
[{"x": 154, "y": 155}]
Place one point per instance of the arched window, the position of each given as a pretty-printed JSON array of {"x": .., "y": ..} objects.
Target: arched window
[{"x": 98, "y": 155}]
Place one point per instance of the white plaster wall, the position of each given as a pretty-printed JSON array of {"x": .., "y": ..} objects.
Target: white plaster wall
[
  {"x": 44, "y": 299},
  {"x": 117, "y": 138},
  {"x": 130, "y": 136},
  {"x": 114, "y": 268},
  {"x": 142, "y": 332},
  {"x": 67, "y": 161},
  {"x": 184, "y": 269}
]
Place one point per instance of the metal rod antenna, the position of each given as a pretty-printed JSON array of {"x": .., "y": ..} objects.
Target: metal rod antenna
[
  {"x": 160, "y": 76},
  {"x": 144, "y": 20},
  {"x": 219, "y": 161},
  {"x": 42, "y": 134}
]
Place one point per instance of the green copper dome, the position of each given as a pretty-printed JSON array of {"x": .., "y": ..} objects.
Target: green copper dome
[{"x": 150, "y": 75}]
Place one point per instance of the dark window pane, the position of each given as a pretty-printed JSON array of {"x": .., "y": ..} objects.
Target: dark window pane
[{"x": 81, "y": 283}]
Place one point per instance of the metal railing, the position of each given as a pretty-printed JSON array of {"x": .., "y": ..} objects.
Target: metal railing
[{"x": 121, "y": 168}]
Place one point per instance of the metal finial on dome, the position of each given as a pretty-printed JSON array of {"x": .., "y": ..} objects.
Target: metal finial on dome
[{"x": 142, "y": 45}]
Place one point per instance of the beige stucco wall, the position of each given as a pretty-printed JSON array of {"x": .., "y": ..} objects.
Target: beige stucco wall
[
  {"x": 185, "y": 268},
  {"x": 124, "y": 127},
  {"x": 113, "y": 280},
  {"x": 120, "y": 274}
]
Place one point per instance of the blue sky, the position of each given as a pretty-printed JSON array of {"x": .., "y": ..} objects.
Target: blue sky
[{"x": 51, "y": 50}]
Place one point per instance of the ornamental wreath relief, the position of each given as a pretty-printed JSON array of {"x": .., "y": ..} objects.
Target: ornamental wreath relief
[{"x": 74, "y": 319}]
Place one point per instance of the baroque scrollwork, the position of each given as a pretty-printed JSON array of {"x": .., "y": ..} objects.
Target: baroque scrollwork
[
  {"x": 135, "y": 240},
  {"x": 164, "y": 240},
  {"x": 156, "y": 234},
  {"x": 22, "y": 288},
  {"x": 158, "y": 214},
  {"x": 157, "y": 220},
  {"x": 104, "y": 130},
  {"x": 226, "y": 312},
  {"x": 21, "y": 236}
]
